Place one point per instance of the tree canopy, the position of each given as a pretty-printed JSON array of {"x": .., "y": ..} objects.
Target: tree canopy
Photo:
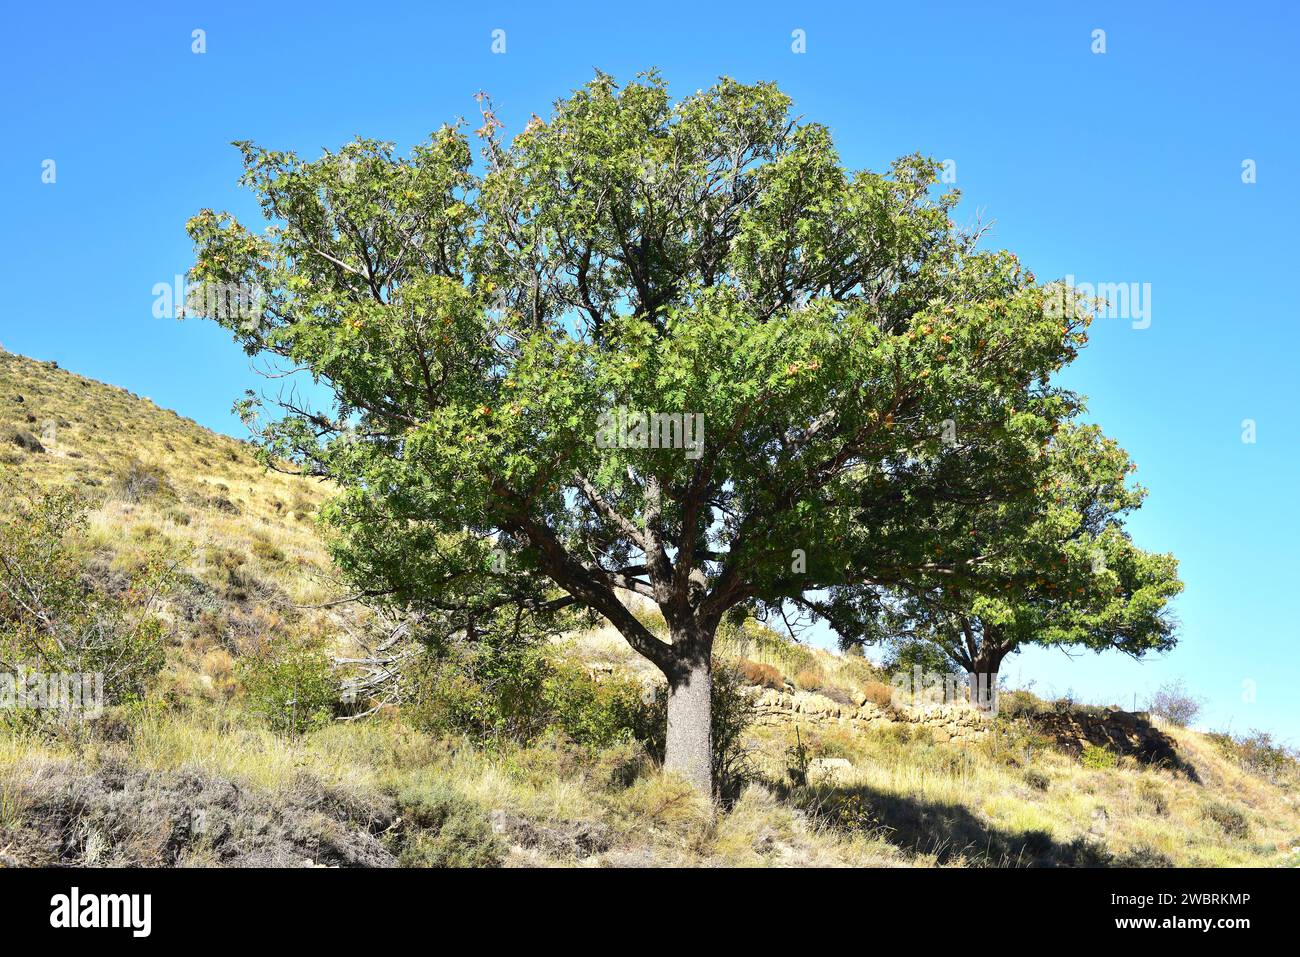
[{"x": 828, "y": 331}]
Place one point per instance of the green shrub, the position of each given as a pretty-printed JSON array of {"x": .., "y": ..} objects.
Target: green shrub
[
  {"x": 905, "y": 655},
  {"x": 493, "y": 692},
  {"x": 291, "y": 687},
  {"x": 596, "y": 713},
  {"x": 1259, "y": 754},
  {"x": 1098, "y": 758},
  {"x": 267, "y": 551},
  {"x": 52, "y": 623}
]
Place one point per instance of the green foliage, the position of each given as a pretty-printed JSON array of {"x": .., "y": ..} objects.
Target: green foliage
[
  {"x": 504, "y": 690},
  {"x": 291, "y": 686},
  {"x": 1258, "y": 753},
  {"x": 493, "y": 690},
  {"x": 1098, "y": 758},
  {"x": 55, "y": 621},
  {"x": 905, "y": 655},
  {"x": 268, "y": 551},
  {"x": 1068, "y": 573},
  {"x": 598, "y": 714},
  {"x": 712, "y": 258}
]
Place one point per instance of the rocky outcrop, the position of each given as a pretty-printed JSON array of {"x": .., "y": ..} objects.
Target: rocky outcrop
[{"x": 1121, "y": 732}]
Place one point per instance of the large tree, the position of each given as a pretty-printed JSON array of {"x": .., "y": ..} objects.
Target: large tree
[{"x": 478, "y": 325}]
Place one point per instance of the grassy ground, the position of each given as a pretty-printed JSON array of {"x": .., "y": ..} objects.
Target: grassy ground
[
  {"x": 193, "y": 779},
  {"x": 906, "y": 802}
]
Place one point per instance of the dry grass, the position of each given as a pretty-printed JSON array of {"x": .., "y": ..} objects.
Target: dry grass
[
  {"x": 247, "y": 551},
  {"x": 249, "y": 556}
]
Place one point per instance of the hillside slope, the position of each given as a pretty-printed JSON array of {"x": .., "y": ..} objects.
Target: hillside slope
[
  {"x": 194, "y": 779},
  {"x": 247, "y": 550}
]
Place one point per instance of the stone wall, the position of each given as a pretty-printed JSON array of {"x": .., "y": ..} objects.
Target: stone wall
[
  {"x": 960, "y": 724},
  {"x": 1120, "y": 732}
]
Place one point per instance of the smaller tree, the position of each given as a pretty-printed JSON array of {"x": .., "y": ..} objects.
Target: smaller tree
[
  {"x": 1070, "y": 577},
  {"x": 1175, "y": 703}
]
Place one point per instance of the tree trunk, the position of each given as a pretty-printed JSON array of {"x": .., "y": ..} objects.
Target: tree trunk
[
  {"x": 983, "y": 680},
  {"x": 688, "y": 747}
]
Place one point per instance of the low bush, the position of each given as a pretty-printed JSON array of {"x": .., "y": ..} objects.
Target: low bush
[
  {"x": 1153, "y": 796},
  {"x": 1018, "y": 704},
  {"x": 444, "y": 829},
  {"x": 177, "y": 515},
  {"x": 510, "y": 692},
  {"x": 810, "y": 679},
  {"x": 1037, "y": 780},
  {"x": 1229, "y": 819},
  {"x": 493, "y": 692},
  {"x": 24, "y": 440},
  {"x": 1259, "y": 754},
  {"x": 291, "y": 687},
  {"x": 879, "y": 694},
  {"x": 268, "y": 551},
  {"x": 1098, "y": 758},
  {"x": 597, "y": 713},
  {"x": 137, "y": 481},
  {"x": 53, "y": 625},
  {"x": 764, "y": 676}
]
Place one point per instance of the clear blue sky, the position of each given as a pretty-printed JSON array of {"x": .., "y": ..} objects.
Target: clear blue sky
[{"x": 1119, "y": 167}]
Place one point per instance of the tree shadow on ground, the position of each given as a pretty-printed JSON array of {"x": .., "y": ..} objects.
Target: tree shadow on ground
[{"x": 951, "y": 833}]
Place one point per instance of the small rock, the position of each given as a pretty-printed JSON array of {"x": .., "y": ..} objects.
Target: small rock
[{"x": 26, "y": 441}]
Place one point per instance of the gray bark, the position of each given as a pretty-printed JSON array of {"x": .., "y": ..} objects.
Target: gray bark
[
  {"x": 983, "y": 679},
  {"x": 689, "y": 744}
]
